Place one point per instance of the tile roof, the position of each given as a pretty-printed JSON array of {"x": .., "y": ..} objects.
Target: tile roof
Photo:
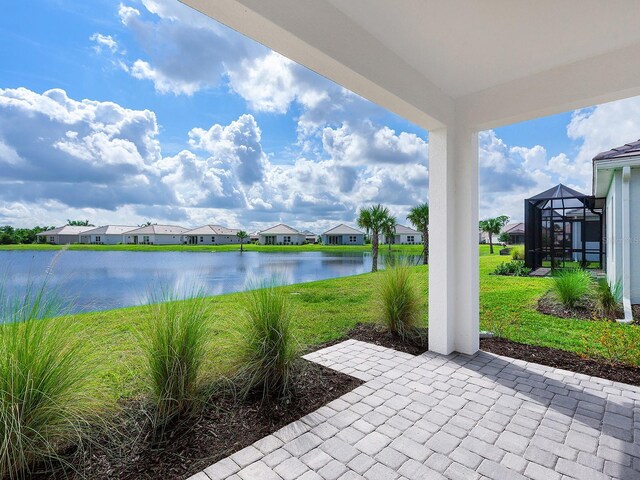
[
  {"x": 280, "y": 229},
  {"x": 158, "y": 230},
  {"x": 110, "y": 230},
  {"x": 343, "y": 229},
  {"x": 66, "y": 230},
  {"x": 212, "y": 230},
  {"x": 401, "y": 229},
  {"x": 627, "y": 150}
]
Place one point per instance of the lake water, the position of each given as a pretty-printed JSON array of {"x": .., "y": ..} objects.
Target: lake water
[{"x": 106, "y": 279}]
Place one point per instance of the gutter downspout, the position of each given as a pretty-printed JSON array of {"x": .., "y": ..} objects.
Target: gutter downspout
[{"x": 626, "y": 247}]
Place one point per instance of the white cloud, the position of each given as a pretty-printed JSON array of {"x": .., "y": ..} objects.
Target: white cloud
[{"x": 104, "y": 42}]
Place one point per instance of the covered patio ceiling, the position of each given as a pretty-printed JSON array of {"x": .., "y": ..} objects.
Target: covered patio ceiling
[
  {"x": 454, "y": 67},
  {"x": 493, "y": 61}
]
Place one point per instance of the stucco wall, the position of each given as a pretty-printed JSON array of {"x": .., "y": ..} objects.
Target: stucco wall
[
  {"x": 345, "y": 239},
  {"x": 295, "y": 239},
  {"x": 634, "y": 208},
  {"x": 219, "y": 239}
]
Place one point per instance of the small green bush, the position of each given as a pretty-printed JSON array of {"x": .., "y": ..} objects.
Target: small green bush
[
  {"x": 608, "y": 297},
  {"x": 517, "y": 252},
  {"x": 268, "y": 348},
  {"x": 399, "y": 298},
  {"x": 571, "y": 285},
  {"x": 515, "y": 268},
  {"x": 48, "y": 399},
  {"x": 174, "y": 343}
]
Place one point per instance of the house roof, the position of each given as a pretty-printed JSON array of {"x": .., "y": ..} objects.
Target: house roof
[
  {"x": 559, "y": 191},
  {"x": 66, "y": 230},
  {"x": 308, "y": 233},
  {"x": 514, "y": 228},
  {"x": 212, "y": 230},
  {"x": 627, "y": 150},
  {"x": 401, "y": 229},
  {"x": 343, "y": 229},
  {"x": 280, "y": 229},
  {"x": 110, "y": 230},
  {"x": 159, "y": 230}
]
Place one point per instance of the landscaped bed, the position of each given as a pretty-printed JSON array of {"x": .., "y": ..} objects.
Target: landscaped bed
[{"x": 223, "y": 427}]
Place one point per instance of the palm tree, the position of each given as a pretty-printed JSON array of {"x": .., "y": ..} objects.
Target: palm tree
[
  {"x": 419, "y": 217},
  {"x": 242, "y": 235},
  {"x": 492, "y": 226},
  {"x": 372, "y": 219},
  {"x": 389, "y": 229}
]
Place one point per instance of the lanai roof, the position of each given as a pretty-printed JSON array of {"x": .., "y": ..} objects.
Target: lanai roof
[{"x": 343, "y": 229}]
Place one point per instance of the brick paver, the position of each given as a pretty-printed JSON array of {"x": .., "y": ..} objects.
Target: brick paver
[{"x": 454, "y": 417}]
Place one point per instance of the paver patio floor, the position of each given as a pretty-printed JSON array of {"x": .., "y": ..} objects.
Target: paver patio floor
[{"x": 456, "y": 417}]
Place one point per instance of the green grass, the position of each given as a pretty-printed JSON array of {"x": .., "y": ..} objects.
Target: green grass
[
  {"x": 408, "y": 249},
  {"x": 326, "y": 310}
]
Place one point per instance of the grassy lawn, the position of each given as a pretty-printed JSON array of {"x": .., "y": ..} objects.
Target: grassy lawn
[
  {"x": 325, "y": 310},
  {"x": 409, "y": 249}
]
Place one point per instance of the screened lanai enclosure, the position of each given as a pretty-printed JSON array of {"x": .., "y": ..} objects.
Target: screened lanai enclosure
[{"x": 564, "y": 228}]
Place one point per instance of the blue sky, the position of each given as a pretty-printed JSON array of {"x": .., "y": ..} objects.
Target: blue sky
[{"x": 147, "y": 110}]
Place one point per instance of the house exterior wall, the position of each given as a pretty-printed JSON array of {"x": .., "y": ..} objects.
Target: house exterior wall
[
  {"x": 155, "y": 239},
  {"x": 353, "y": 239},
  {"x": 102, "y": 239},
  {"x": 214, "y": 239},
  {"x": 634, "y": 250},
  {"x": 296, "y": 239},
  {"x": 65, "y": 239}
]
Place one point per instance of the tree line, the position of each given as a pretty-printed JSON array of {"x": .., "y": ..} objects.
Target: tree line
[{"x": 10, "y": 235}]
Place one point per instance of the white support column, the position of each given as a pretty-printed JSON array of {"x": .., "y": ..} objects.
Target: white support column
[
  {"x": 626, "y": 246},
  {"x": 453, "y": 240}
]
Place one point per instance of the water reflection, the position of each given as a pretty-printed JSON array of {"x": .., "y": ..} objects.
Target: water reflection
[{"x": 104, "y": 280}]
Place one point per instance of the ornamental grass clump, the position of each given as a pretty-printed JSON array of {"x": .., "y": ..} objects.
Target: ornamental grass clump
[
  {"x": 399, "y": 299},
  {"x": 268, "y": 348},
  {"x": 608, "y": 298},
  {"x": 571, "y": 286},
  {"x": 517, "y": 252},
  {"x": 48, "y": 399},
  {"x": 174, "y": 342}
]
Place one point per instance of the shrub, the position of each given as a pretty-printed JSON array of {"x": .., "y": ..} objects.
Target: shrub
[
  {"x": 399, "y": 298},
  {"x": 517, "y": 252},
  {"x": 174, "y": 343},
  {"x": 608, "y": 297},
  {"x": 571, "y": 285},
  {"x": 47, "y": 395},
  {"x": 515, "y": 268},
  {"x": 268, "y": 348}
]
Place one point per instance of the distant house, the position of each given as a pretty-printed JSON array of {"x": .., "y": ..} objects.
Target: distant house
[
  {"x": 155, "y": 235},
  {"x": 254, "y": 237},
  {"x": 616, "y": 179},
  {"x": 403, "y": 236},
  {"x": 211, "y": 235},
  {"x": 343, "y": 235},
  {"x": 310, "y": 237},
  {"x": 281, "y": 234},
  {"x": 515, "y": 232},
  {"x": 105, "y": 235},
  {"x": 62, "y": 235}
]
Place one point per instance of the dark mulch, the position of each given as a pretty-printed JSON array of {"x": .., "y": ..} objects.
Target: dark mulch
[
  {"x": 585, "y": 310},
  {"x": 223, "y": 428},
  {"x": 636, "y": 313},
  {"x": 551, "y": 357},
  {"x": 376, "y": 334}
]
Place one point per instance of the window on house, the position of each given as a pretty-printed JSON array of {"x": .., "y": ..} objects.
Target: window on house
[
  {"x": 352, "y": 238},
  {"x": 52, "y": 239},
  {"x": 287, "y": 239},
  {"x": 97, "y": 238},
  {"x": 145, "y": 239},
  {"x": 213, "y": 239},
  {"x": 201, "y": 239},
  {"x": 410, "y": 239}
]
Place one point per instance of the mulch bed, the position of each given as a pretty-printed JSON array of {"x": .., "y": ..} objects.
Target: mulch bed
[
  {"x": 376, "y": 334},
  {"x": 636, "y": 313},
  {"x": 551, "y": 357},
  {"x": 222, "y": 429},
  {"x": 585, "y": 310}
]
